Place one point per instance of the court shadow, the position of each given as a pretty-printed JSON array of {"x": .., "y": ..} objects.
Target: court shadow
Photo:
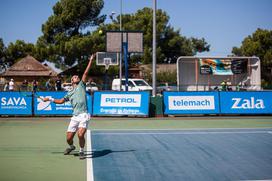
[
  {"x": 57, "y": 152},
  {"x": 101, "y": 153},
  {"x": 95, "y": 154},
  {"x": 61, "y": 152}
]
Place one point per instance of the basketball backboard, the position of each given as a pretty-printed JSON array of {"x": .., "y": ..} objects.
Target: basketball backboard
[
  {"x": 134, "y": 40},
  {"x": 106, "y": 58}
]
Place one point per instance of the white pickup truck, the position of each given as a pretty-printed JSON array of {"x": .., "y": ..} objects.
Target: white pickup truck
[{"x": 133, "y": 85}]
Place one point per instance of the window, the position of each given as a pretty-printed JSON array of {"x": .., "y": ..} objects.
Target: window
[{"x": 140, "y": 83}]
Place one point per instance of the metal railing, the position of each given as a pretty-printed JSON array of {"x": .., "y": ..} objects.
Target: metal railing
[{"x": 218, "y": 87}]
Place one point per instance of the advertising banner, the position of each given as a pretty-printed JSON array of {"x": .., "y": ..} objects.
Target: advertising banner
[
  {"x": 246, "y": 102},
  {"x": 215, "y": 66},
  {"x": 49, "y": 108},
  {"x": 191, "y": 102},
  {"x": 15, "y": 103},
  {"x": 121, "y": 103}
]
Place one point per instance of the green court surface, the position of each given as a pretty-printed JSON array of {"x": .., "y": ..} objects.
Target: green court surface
[{"x": 31, "y": 148}]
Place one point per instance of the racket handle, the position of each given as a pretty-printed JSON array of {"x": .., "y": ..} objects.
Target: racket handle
[{"x": 51, "y": 99}]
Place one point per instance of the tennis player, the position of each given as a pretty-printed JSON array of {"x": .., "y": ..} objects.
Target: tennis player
[{"x": 79, "y": 121}]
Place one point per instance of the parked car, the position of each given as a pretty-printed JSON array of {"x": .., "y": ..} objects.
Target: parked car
[
  {"x": 91, "y": 87},
  {"x": 166, "y": 87},
  {"x": 133, "y": 85}
]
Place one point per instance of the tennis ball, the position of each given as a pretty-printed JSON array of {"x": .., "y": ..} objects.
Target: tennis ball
[{"x": 100, "y": 32}]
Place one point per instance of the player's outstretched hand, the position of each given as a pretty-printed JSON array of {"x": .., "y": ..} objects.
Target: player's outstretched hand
[
  {"x": 45, "y": 99},
  {"x": 92, "y": 57},
  {"x": 49, "y": 99}
]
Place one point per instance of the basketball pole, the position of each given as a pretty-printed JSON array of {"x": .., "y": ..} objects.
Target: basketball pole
[
  {"x": 125, "y": 50},
  {"x": 106, "y": 80},
  {"x": 154, "y": 50}
]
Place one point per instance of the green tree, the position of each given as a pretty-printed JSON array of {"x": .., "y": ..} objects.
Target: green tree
[
  {"x": 18, "y": 50},
  {"x": 66, "y": 38},
  {"x": 258, "y": 44},
  {"x": 162, "y": 77},
  {"x": 14, "y": 52},
  {"x": 170, "y": 43},
  {"x": 3, "y": 62},
  {"x": 2, "y": 48}
]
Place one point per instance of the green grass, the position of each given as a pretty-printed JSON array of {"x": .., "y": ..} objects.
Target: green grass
[{"x": 31, "y": 148}]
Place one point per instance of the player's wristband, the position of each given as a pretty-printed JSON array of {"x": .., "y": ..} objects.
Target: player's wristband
[{"x": 51, "y": 99}]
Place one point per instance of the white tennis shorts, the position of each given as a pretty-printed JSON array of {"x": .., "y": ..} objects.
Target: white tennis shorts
[{"x": 79, "y": 121}]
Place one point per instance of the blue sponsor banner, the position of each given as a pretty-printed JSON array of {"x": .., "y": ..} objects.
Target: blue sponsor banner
[
  {"x": 191, "y": 102},
  {"x": 15, "y": 103},
  {"x": 121, "y": 103},
  {"x": 49, "y": 108},
  {"x": 246, "y": 102}
]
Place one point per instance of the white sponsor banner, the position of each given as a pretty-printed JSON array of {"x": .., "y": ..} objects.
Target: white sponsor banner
[
  {"x": 121, "y": 100},
  {"x": 191, "y": 102}
]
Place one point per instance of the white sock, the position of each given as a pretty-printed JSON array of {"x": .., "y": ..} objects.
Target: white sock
[{"x": 81, "y": 149}]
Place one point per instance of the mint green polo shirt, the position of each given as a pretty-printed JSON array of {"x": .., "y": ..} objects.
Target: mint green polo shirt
[{"x": 77, "y": 98}]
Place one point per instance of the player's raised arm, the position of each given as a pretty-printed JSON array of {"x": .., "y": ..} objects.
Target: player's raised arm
[
  {"x": 85, "y": 75},
  {"x": 56, "y": 101}
]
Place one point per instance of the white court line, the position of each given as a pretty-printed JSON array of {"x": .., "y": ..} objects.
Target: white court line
[
  {"x": 257, "y": 180},
  {"x": 184, "y": 133},
  {"x": 89, "y": 160},
  {"x": 191, "y": 129}
]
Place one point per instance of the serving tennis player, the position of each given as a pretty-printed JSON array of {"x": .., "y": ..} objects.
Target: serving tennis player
[{"x": 79, "y": 121}]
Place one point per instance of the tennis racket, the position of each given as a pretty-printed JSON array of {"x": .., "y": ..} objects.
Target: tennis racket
[{"x": 29, "y": 94}]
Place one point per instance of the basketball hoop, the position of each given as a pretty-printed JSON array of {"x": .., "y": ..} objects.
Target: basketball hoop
[
  {"x": 107, "y": 62},
  {"x": 103, "y": 57}
]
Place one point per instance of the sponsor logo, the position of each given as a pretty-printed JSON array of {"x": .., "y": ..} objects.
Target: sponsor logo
[
  {"x": 44, "y": 106},
  {"x": 251, "y": 103},
  {"x": 120, "y": 100},
  {"x": 191, "y": 102},
  {"x": 65, "y": 106},
  {"x": 13, "y": 103},
  {"x": 120, "y": 111},
  {"x": 47, "y": 106}
]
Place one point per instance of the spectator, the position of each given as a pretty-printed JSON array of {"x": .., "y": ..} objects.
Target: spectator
[
  {"x": 238, "y": 87},
  {"x": 6, "y": 87},
  {"x": 11, "y": 85},
  {"x": 48, "y": 85},
  {"x": 58, "y": 84},
  {"x": 25, "y": 85},
  {"x": 228, "y": 83},
  {"x": 224, "y": 85},
  {"x": 35, "y": 85}
]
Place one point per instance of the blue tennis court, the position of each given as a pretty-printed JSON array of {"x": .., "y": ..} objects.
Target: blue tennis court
[{"x": 210, "y": 154}]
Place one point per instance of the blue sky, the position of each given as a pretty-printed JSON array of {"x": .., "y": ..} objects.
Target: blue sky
[{"x": 223, "y": 23}]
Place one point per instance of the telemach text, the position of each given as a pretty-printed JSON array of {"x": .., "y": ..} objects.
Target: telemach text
[{"x": 191, "y": 103}]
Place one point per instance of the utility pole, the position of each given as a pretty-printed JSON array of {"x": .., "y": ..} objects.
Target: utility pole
[
  {"x": 120, "y": 55},
  {"x": 154, "y": 62}
]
